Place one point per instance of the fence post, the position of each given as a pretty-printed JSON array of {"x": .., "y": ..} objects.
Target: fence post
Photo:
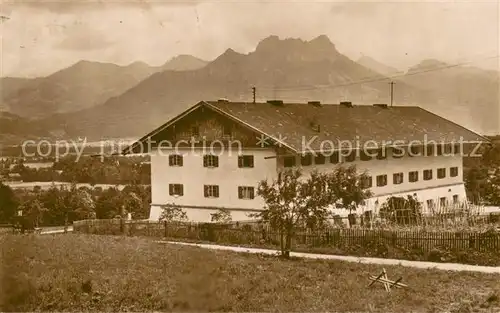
[{"x": 165, "y": 229}]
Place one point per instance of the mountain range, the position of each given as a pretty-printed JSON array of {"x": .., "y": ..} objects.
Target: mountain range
[{"x": 105, "y": 100}]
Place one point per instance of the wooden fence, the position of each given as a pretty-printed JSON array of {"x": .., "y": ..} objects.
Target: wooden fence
[{"x": 262, "y": 235}]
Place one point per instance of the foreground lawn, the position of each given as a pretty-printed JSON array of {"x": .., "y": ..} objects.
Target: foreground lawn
[{"x": 100, "y": 273}]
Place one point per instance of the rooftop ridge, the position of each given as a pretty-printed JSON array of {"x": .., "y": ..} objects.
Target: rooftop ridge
[{"x": 307, "y": 103}]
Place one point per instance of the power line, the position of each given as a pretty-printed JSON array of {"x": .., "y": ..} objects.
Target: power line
[{"x": 369, "y": 80}]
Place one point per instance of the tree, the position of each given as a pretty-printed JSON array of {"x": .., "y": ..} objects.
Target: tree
[
  {"x": 348, "y": 187},
  {"x": 33, "y": 210},
  {"x": 292, "y": 201},
  {"x": 221, "y": 216},
  {"x": 401, "y": 211},
  {"x": 8, "y": 203},
  {"x": 173, "y": 213}
]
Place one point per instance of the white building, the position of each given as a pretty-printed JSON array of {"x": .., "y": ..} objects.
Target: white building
[{"x": 214, "y": 154}]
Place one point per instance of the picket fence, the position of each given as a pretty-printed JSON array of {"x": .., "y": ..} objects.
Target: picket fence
[{"x": 255, "y": 234}]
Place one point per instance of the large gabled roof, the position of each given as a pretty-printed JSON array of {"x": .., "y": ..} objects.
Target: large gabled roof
[{"x": 296, "y": 124}]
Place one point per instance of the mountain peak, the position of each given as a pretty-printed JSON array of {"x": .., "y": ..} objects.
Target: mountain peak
[
  {"x": 184, "y": 62},
  {"x": 319, "y": 48},
  {"x": 430, "y": 64},
  {"x": 322, "y": 41}
]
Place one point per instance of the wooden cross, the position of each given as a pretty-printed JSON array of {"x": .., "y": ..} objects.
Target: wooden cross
[{"x": 382, "y": 278}]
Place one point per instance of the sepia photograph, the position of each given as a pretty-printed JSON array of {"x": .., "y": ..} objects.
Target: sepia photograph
[{"x": 250, "y": 156}]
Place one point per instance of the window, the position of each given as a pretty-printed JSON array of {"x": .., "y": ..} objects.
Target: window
[
  {"x": 453, "y": 171},
  {"x": 413, "y": 176},
  {"x": 226, "y": 131},
  {"x": 245, "y": 192},
  {"x": 429, "y": 151},
  {"x": 365, "y": 156},
  {"x": 306, "y": 160},
  {"x": 176, "y": 189},
  {"x": 175, "y": 160},
  {"x": 195, "y": 130},
  {"x": 382, "y": 154},
  {"x": 210, "y": 161},
  {"x": 414, "y": 151},
  {"x": 441, "y": 173},
  {"x": 442, "y": 202},
  {"x": 439, "y": 150},
  {"x": 455, "y": 199},
  {"x": 397, "y": 178},
  {"x": 319, "y": 159},
  {"x": 211, "y": 191},
  {"x": 397, "y": 153},
  {"x": 289, "y": 161},
  {"x": 430, "y": 204},
  {"x": 448, "y": 149},
  {"x": 351, "y": 156},
  {"x": 381, "y": 180},
  {"x": 245, "y": 161},
  {"x": 427, "y": 174},
  {"x": 335, "y": 158},
  {"x": 367, "y": 182}
]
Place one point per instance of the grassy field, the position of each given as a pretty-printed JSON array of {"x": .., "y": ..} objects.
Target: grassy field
[{"x": 105, "y": 273}]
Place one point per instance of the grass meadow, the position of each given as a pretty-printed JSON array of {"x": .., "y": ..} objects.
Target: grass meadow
[{"x": 76, "y": 272}]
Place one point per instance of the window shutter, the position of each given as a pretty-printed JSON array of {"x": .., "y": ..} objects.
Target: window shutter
[
  {"x": 216, "y": 191},
  {"x": 205, "y": 159},
  {"x": 205, "y": 191},
  {"x": 170, "y": 189},
  {"x": 170, "y": 161},
  {"x": 181, "y": 190},
  {"x": 181, "y": 159},
  {"x": 252, "y": 193},
  {"x": 240, "y": 192},
  {"x": 251, "y": 161},
  {"x": 240, "y": 161},
  {"x": 216, "y": 161}
]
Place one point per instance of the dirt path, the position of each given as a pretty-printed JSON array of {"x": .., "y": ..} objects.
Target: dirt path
[{"x": 416, "y": 264}]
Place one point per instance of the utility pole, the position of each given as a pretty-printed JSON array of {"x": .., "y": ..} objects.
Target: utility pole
[
  {"x": 253, "y": 92},
  {"x": 392, "y": 91}
]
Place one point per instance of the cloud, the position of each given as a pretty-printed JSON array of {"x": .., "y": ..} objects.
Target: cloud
[
  {"x": 72, "y": 6},
  {"x": 85, "y": 41}
]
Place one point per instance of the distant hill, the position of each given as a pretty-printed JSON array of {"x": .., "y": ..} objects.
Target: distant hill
[
  {"x": 289, "y": 69},
  {"x": 378, "y": 67},
  {"x": 14, "y": 129},
  {"x": 10, "y": 85},
  {"x": 467, "y": 95},
  {"x": 183, "y": 62},
  {"x": 81, "y": 86}
]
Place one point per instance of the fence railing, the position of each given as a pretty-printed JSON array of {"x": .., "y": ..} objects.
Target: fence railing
[{"x": 258, "y": 234}]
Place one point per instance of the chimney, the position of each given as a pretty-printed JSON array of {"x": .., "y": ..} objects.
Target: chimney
[
  {"x": 315, "y": 103},
  {"x": 275, "y": 102},
  {"x": 380, "y": 105},
  {"x": 346, "y": 103},
  {"x": 223, "y": 100}
]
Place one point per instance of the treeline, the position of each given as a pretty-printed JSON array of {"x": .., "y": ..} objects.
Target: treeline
[
  {"x": 87, "y": 169},
  {"x": 61, "y": 206}
]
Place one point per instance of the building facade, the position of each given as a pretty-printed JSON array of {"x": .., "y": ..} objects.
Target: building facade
[{"x": 214, "y": 155}]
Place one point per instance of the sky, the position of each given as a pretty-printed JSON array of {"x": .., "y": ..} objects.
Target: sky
[{"x": 39, "y": 38}]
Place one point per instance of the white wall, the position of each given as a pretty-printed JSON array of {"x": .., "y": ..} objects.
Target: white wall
[
  {"x": 228, "y": 176},
  {"x": 430, "y": 189},
  {"x": 391, "y": 165}
]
